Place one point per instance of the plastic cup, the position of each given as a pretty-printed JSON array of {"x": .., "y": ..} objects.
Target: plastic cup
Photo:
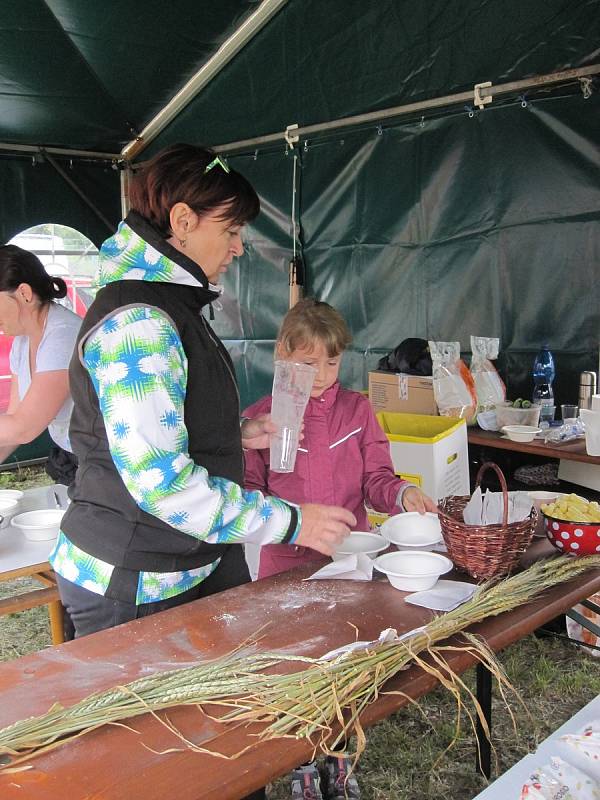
[
  {"x": 546, "y": 413},
  {"x": 591, "y": 420},
  {"x": 569, "y": 412},
  {"x": 292, "y": 385}
]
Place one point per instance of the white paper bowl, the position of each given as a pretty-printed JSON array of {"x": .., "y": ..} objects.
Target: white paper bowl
[
  {"x": 9, "y": 506},
  {"x": 412, "y": 571},
  {"x": 12, "y": 494},
  {"x": 39, "y": 525},
  {"x": 540, "y": 498},
  {"x": 507, "y": 414},
  {"x": 521, "y": 433},
  {"x": 361, "y": 542},
  {"x": 411, "y": 530}
]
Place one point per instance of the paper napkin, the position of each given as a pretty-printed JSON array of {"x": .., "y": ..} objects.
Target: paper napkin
[
  {"x": 356, "y": 567},
  {"x": 444, "y": 596}
]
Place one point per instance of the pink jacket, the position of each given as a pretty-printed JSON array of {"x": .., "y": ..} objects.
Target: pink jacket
[{"x": 343, "y": 460}]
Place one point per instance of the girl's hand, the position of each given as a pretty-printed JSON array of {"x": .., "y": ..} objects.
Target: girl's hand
[
  {"x": 255, "y": 432},
  {"x": 414, "y": 499}
]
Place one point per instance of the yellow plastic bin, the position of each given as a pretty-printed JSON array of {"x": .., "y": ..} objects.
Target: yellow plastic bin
[
  {"x": 376, "y": 518},
  {"x": 431, "y": 452}
]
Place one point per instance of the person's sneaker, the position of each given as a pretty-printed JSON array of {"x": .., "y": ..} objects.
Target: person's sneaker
[
  {"x": 340, "y": 784},
  {"x": 306, "y": 783}
]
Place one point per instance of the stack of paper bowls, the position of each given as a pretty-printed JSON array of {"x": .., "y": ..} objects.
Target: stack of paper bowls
[
  {"x": 411, "y": 530},
  {"x": 10, "y": 504},
  {"x": 412, "y": 567}
]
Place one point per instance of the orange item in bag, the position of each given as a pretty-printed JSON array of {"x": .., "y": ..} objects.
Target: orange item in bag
[
  {"x": 453, "y": 385},
  {"x": 465, "y": 374}
]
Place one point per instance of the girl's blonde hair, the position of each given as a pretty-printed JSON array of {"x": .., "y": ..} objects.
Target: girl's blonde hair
[{"x": 309, "y": 321}]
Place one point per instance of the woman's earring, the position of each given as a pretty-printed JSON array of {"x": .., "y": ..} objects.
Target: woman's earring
[{"x": 183, "y": 241}]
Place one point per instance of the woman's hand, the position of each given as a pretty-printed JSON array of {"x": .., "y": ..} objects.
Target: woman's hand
[
  {"x": 414, "y": 499},
  {"x": 324, "y": 527},
  {"x": 255, "y": 432}
]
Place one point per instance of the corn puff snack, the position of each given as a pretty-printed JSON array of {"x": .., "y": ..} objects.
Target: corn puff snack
[{"x": 573, "y": 508}]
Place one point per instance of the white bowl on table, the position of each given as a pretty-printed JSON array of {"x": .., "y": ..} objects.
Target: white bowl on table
[
  {"x": 539, "y": 499},
  {"x": 412, "y": 530},
  {"x": 521, "y": 433},
  {"x": 12, "y": 494},
  {"x": 361, "y": 542},
  {"x": 40, "y": 525},
  {"x": 412, "y": 570},
  {"x": 10, "y": 504}
]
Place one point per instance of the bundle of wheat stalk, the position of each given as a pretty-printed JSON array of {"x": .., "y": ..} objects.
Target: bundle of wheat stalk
[{"x": 305, "y": 703}]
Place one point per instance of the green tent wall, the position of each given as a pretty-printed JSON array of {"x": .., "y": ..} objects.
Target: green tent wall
[
  {"x": 456, "y": 223},
  {"x": 32, "y": 193},
  {"x": 461, "y": 222},
  {"x": 486, "y": 225}
]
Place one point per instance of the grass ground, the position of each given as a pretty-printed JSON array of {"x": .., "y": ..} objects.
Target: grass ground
[{"x": 554, "y": 678}]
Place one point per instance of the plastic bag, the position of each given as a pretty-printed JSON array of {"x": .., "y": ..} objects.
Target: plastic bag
[
  {"x": 582, "y": 749},
  {"x": 489, "y": 386},
  {"x": 581, "y": 634},
  {"x": 559, "y": 780},
  {"x": 453, "y": 385},
  {"x": 411, "y": 357}
]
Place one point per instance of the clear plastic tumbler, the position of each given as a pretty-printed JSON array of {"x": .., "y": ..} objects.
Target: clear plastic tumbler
[{"x": 292, "y": 384}]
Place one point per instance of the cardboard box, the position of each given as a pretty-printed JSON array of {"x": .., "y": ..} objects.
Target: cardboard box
[
  {"x": 429, "y": 451},
  {"x": 376, "y": 518},
  {"x": 580, "y": 472},
  {"x": 403, "y": 394}
]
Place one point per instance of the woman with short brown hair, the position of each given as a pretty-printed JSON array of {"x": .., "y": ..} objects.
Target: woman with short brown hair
[{"x": 158, "y": 512}]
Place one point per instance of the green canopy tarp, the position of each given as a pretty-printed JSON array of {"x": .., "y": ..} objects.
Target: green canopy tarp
[{"x": 444, "y": 224}]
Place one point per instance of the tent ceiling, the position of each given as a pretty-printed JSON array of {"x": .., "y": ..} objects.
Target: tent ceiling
[{"x": 91, "y": 75}]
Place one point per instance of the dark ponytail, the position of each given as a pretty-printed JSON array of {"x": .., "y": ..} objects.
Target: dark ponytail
[{"x": 19, "y": 266}]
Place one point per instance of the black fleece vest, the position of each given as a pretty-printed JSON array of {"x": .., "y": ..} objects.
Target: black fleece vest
[{"x": 103, "y": 519}]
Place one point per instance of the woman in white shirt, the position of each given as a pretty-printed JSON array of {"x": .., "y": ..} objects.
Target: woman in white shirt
[{"x": 45, "y": 334}]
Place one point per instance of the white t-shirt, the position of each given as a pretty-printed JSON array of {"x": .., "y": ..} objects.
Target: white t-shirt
[{"x": 55, "y": 351}]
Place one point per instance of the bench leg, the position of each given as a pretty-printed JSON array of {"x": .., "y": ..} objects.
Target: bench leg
[
  {"x": 483, "y": 760},
  {"x": 55, "y": 612}
]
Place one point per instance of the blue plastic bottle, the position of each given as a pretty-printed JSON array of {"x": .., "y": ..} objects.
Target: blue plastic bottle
[{"x": 543, "y": 375}]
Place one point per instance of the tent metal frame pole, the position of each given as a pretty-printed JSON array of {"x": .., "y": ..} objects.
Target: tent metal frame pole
[
  {"x": 60, "y": 151},
  {"x": 125, "y": 180},
  {"x": 565, "y": 76},
  {"x": 75, "y": 188},
  {"x": 230, "y": 48}
]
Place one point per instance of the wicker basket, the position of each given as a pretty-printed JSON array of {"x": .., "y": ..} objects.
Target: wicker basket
[{"x": 484, "y": 551}]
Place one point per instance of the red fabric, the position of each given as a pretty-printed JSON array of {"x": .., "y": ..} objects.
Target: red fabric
[{"x": 343, "y": 460}]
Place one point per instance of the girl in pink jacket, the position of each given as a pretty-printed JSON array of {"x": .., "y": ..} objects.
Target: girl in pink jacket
[{"x": 344, "y": 457}]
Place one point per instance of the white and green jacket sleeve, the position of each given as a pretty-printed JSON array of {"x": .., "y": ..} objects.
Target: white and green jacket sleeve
[{"x": 139, "y": 370}]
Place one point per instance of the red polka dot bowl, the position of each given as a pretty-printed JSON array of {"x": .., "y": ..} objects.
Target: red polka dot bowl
[{"x": 576, "y": 538}]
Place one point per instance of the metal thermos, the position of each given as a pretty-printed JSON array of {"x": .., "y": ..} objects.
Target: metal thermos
[{"x": 587, "y": 387}]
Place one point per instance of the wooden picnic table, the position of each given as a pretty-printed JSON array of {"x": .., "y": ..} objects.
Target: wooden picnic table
[
  {"x": 22, "y": 558},
  {"x": 304, "y": 617}
]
